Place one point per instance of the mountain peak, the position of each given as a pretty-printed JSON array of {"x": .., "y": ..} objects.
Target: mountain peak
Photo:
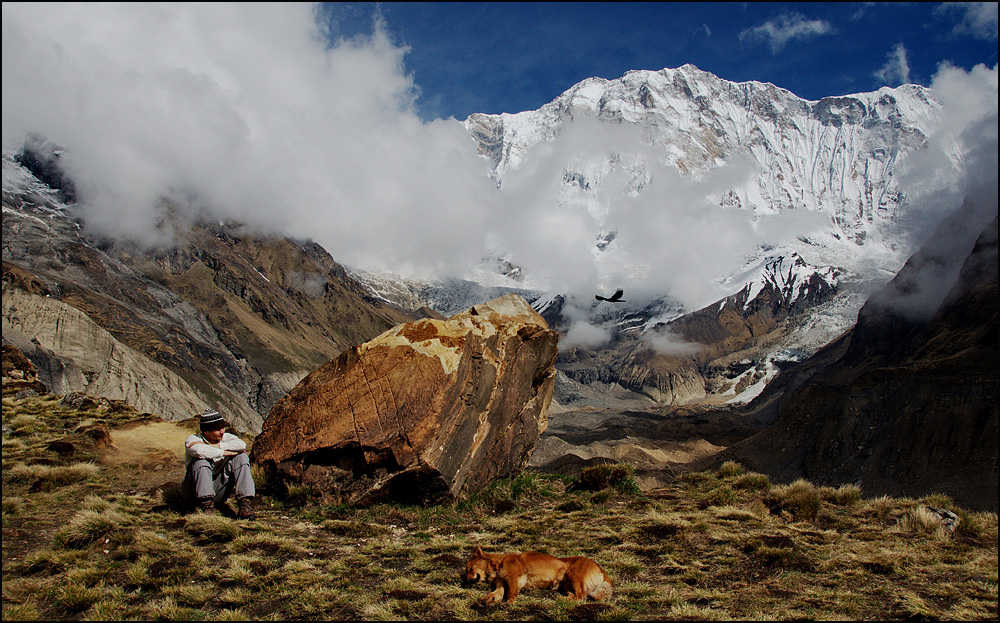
[{"x": 835, "y": 156}]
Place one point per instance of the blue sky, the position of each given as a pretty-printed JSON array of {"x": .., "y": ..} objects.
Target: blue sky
[{"x": 510, "y": 57}]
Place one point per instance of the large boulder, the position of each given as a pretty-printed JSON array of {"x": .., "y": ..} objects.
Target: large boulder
[{"x": 429, "y": 411}]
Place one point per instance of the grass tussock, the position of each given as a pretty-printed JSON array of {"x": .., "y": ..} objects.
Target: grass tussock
[
  {"x": 752, "y": 482},
  {"x": 88, "y": 526},
  {"x": 722, "y": 545},
  {"x": 46, "y": 477},
  {"x": 844, "y": 495},
  {"x": 730, "y": 469},
  {"x": 215, "y": 527},
  {"x": 800, "y": 499},
  {"x": 617, "y": 476},
  {"x": 923, "y": 521},
  {"x": 14, "y": 505}
]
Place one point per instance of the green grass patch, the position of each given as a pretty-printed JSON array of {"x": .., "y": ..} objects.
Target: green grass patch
[
  {"x": 88, "y": 526},
  {"x": 48, "y": 477}
]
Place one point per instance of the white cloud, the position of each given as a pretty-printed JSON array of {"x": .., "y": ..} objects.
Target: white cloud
[
  {"x": 582, "y": 334},
  {"x": 978, "y": 19},
  {"x": 958, "y": 168},
  {"x": 672, "y": 237},
  {"x": 664, "y": 342},
  {"x": 242, "y": 110},
  {"x": 896, "y": 70},
  {"x": 780, "y": 30},
  {"x": 961, "y": 152},
  {"x": 582, "y": 331}
]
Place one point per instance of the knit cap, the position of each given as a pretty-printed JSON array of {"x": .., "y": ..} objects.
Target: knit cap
[{"x": 211, "y": 420}]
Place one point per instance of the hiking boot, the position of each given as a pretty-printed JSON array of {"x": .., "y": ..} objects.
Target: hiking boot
[
  {"x": 206, "y": 506},
  {"x": 246, "y": 509}
]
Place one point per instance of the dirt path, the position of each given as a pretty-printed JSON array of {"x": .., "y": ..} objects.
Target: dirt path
[{"x": 147, "y": 455}]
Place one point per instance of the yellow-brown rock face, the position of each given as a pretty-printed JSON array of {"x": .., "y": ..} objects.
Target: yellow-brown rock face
[{"x": 428, "y": 411}]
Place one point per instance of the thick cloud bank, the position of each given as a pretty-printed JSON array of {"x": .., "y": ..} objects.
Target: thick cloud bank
[
  {"x": 958, "y": 168},
  {"x": 244, "y": 111},
  {"x": 247, "y": 112}
]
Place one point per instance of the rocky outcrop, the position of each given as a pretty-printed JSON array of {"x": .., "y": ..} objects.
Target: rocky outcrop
[
  {"x": 73, "y": 354},
  {"x": 41, "y": 157},
  {"x": 20, "y": 377},
  {"x": 428, "y": 411},
  {"x": 240, "y": 316}
]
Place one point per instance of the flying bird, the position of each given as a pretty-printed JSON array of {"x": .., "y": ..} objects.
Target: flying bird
[{"x": 614, "y": 298}]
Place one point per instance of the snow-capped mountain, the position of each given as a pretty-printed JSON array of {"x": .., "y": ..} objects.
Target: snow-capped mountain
[
  {"x": 832, "y": 159},
  {"x": 761, "y": 150},
  {"x": 796, "y": 283},
  {"x": 746, "y": 149},
  {"x": 444, "y": 296},
  {"x": 836, "y": 155}
]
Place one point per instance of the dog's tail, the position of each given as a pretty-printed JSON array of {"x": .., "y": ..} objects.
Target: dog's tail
[
  {"x": 599, "y": 586},
  {"x": 602, "y": 591}
]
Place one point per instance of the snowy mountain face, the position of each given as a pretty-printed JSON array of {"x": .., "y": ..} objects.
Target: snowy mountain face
[
  {"x": 836, "y": 155},
  {"x": 771, "y": 153},
  {"x": 795, "y": 282},
  {"x": 445, "y": 296},
  {"x": 759, "y": 149}
]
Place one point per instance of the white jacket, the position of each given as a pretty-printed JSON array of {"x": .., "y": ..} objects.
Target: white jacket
[{"x": 196, "y": 447}]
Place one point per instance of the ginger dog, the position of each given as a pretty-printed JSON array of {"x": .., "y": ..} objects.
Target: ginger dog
[{"x": 577, "y": 577}]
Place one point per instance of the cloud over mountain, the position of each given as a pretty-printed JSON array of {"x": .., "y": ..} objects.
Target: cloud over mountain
[
  {"x": 243, "y": 112},
  {"x": 248, "y": 112}
]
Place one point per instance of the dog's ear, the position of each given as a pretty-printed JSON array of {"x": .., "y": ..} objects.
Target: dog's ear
[{"x": 478, "y": 551}]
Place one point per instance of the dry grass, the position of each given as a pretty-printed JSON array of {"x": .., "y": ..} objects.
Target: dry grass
[
  {"x": 725, "y": 545},
  {"x": 45, "y": 477}
]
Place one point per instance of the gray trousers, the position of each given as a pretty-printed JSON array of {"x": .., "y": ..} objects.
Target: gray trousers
[{"x": 201, "y": 480}]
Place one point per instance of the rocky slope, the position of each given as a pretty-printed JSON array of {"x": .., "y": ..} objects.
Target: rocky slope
[
  {"x": 906, "y": 402},
  {"x": 724, "y": 352},
  {"x": 219, "y": 315}
]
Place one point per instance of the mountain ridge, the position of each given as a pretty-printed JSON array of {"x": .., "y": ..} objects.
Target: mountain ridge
[
  {"x": 833, "y": 158},
  {"x": 754, "y": 116},
  {"x": 202, "y": 310},
  {"x": 907, "y": 399}
]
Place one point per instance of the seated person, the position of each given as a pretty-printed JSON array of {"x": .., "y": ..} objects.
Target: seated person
[{"x": 216, "y": 466}]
